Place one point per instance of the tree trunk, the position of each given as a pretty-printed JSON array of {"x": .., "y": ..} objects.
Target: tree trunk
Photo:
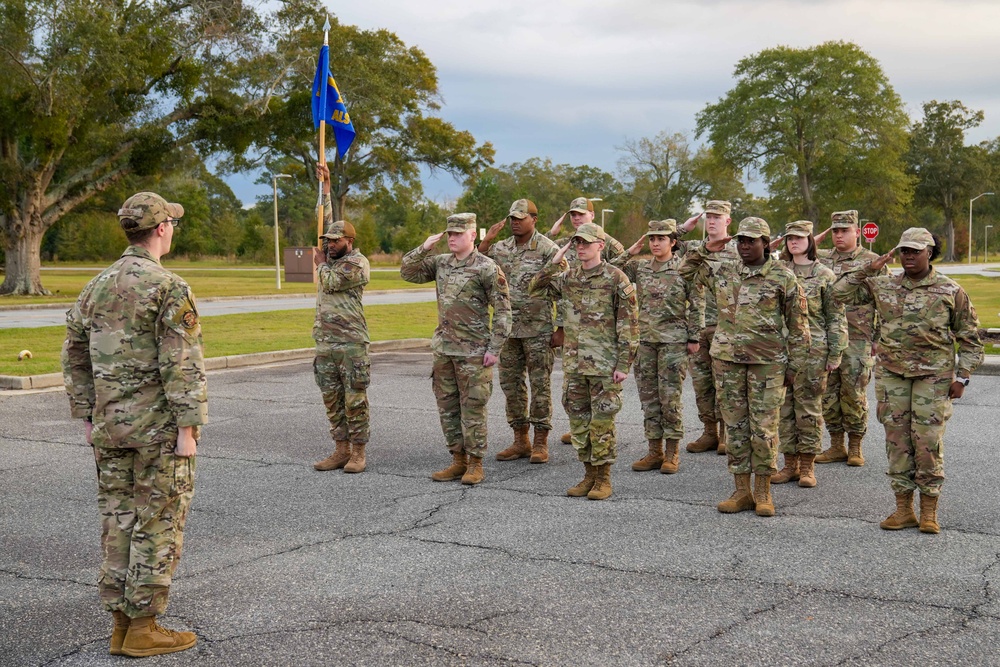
[
  {"x": 949, "y": 253},
  {"x": 24, "y": 261}
]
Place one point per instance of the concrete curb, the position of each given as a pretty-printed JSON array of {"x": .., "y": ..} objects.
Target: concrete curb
[{"x": 49, "y": 380}]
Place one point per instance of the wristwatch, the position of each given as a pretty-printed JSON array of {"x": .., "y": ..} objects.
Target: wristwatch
[{"x": 964, "y": 381}]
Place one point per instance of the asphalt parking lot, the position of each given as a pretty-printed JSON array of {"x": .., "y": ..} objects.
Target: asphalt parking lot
[{"x": 287, "y": 566}]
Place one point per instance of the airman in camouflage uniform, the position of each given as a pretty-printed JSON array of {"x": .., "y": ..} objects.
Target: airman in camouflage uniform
[
  {"x": 602, "y": 334},
  {"x": 759, "y": 300},
  {"x": 465, "y": 345},
  {"x": 845, "y": 403},
  {"x": 581, "y": 211},
  {"x": 923, "y": 316},
  {"x": 528, "y": 351},
  {"x": 133, "y": 368},
  {"x": 669, "y": 323},
  {"x": 702, "y": 378},
  {"x": 802, "y": 412},
  {"x": 342, "y": 367}
]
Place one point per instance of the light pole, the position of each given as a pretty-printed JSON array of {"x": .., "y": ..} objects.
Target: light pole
[
  {"x": 986, "y": 244},
  {"x": 970, "y": 221},
  {"x": 277, "y": 255},
  {"x": 603, "y": 211}
]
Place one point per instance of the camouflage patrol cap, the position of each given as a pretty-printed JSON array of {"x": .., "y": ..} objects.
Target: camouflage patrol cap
[
  {"x": 581, "y": 205},
  {"x": 719, "y": 207},
  {"x": 799, "y": 228},
  {"x": 753, "y": 228},
  {"x": 148, "y": 209},
  {"x": 461, "y": 222},
  {"x": 590, "y": 232},
  {"x": 844, "y": 219},
  {"x": 522, "y": 208},
  {"x": 917, "y": 238},
  {"x": 662, "y": 227},
  {"x": 338, "y": 230}
]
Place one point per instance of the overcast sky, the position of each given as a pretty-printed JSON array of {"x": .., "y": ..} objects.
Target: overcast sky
[{"x": 572, "y": 79}]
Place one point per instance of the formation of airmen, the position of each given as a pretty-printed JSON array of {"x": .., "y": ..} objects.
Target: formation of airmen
[{"x": 776, "y": 346}]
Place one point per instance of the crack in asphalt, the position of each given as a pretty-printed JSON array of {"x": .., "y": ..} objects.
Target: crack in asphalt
[{"x": 34, "y": 577}]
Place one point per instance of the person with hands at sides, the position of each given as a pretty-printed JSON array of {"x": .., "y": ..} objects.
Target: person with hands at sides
[
  {"x": 713, "y": 437},
  {"x": 602, "y": 336},
  {"x": 342, "y": 367},
  {"x": 924, "y": 316},
  {"x": 134, "y": 369},
  {"x": 669, "y": 324},
  {"x": 528, "y": 352},
  {"x": 801, "y": 428},
  {"x": 466, "y": 344},
  {"x": 763, "y": 324}
]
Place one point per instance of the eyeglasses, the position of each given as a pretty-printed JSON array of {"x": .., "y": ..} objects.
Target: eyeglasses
[
  {"x": 173, "y": 221},
  {"x": 579, "y": 241}
]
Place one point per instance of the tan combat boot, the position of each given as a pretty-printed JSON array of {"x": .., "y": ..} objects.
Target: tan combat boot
[
  {"x": 602, "y": 483},
  {"x": 341, "y": 455},
  {"x": 707, "y": 441},
  {"x": 837, "y": 451},
  {"x": 928, "y": 515},
  {"x": 455, "y": 471},
  {"x": 653, "y": 459},
  {"x": 742, "y": 498},
  {"x": 566, "y": 438},
  {"x": 723, "y": 440},
  {"x": 790, "y": 472},
  {"x": 903, "y": 517},
  {"x": 119, "y": 632},
  {"x": 762, "y": 495},
  {"x": 540, "y": 446},
  {"x": 474, "y": 473},
  {"x": 357, "y": 462},
  {"x": 586, "y": 484},
  {"x": 854, "y": 457},
  {"x": 521, "y": 449},
  {"x": 145, "y": 638},
  {"x": 671, "y": 456},
  {"x": 807, "y": 471}
]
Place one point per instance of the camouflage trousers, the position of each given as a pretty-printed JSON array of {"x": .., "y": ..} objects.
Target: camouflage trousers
[
  {"x": 703, "y": 379},
  {"x": 531, "y": 358},
  {"x": 462, "y": 387},
  {"x": 591, "y": 402},
  {"x": 659, "y": 374},
  {"x": 845, "y": 403},
  {"x": 913, "y": 412},
  {"x": 801, "y": 428},
  {"x": 143, "y": 495},
  {"x": 343, "y": 372},
  {"x": 750, "y": 397}
]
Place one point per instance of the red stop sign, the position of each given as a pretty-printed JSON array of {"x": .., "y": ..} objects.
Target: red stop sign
[{"x": 869, "y": 231}]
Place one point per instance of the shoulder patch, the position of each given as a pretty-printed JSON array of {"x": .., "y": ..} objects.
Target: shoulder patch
[
  {"x": 628, "y": 290},
  {"x": 189, "y": 319}
]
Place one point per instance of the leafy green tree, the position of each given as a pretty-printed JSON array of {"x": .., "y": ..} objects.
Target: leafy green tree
[
  {"x": 823, "y": 127},
  {"x": 945, "y": 169}
]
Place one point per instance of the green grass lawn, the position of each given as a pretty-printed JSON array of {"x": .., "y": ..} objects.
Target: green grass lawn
[
  {"x": 226, "y": 335},
  {"x": 205, "y": 281}
]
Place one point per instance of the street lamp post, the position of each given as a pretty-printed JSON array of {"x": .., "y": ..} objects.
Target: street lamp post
[
  {"x": 603, "y": 211},
  {"x": 277, "y": 255},
  {"x": 986, "y": 244},
  {"x": 985, "y": 194}
]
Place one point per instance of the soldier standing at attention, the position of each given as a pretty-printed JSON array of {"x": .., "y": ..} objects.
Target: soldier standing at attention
[
  {"x": 465, "y": 346},
  {"x": 602, "y": 334},
  {"x": 801, "y": 428},
  {"x": 342, "y": 367},
  {"x": 134, "y": 370},
  {"x": 845, "y": 403},
  {"x": 669, "y": 324},
  {"x": 581, "y": 212},
  {"x": 716, "y": 227},
  {"x": 923, "y": 316},
  {"x": 759, "y": 300},
  {"x": 528, "y": 351}
]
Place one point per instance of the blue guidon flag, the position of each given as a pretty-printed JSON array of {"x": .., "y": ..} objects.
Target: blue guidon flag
[{"x": 328, "y": 105}]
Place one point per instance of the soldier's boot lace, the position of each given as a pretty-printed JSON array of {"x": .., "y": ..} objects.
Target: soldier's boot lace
[
  {"x": 708, "y": 440},
  {"x": 671, "y": 456},
  {"x": 474, "y": 471},
  {"x": 928, "y": 514},
  {"x": 341, "y": 455},
  {"x": 521, "y": 449},
  {"x": 586, "y": 484},
  {"x": 540, "y": 446},
  {"x": 357, "y": 462},
  {"x": 454, "y": 471},
  {"x": 807, "y": 471},
  {"x": 837, "y": 451},
  {"x": 762, "y": 495},
  {"x": 145, "y": 638},
  {"x": 742, "y": 498},
  {"x": 602, "y": 483},
  {"x": 790, "y": 472},
  {"x": 903, "y": 517},
  {"x": 854, "y": 457},
  {"x": 653, "y": 458},
  {"x": 119, "y": 632}
]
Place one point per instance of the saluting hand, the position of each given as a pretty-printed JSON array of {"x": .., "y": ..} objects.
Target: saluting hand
[
  {"x": 319, "y": 257},
  {"x": 822, "y": 235},
  {"x": 776, "y": 242},
  {"x": 494, "y": 230},
  {"x": 558, "y": 225},
  {"x": 689, "y": 224},
  {"x": 636, "y": 247},
  {"x": 877, "y": 264},
  {"x": 718, "y": 244},
  {"x": 558, "y": 257},
  {"x": 432, "y": 240}
]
